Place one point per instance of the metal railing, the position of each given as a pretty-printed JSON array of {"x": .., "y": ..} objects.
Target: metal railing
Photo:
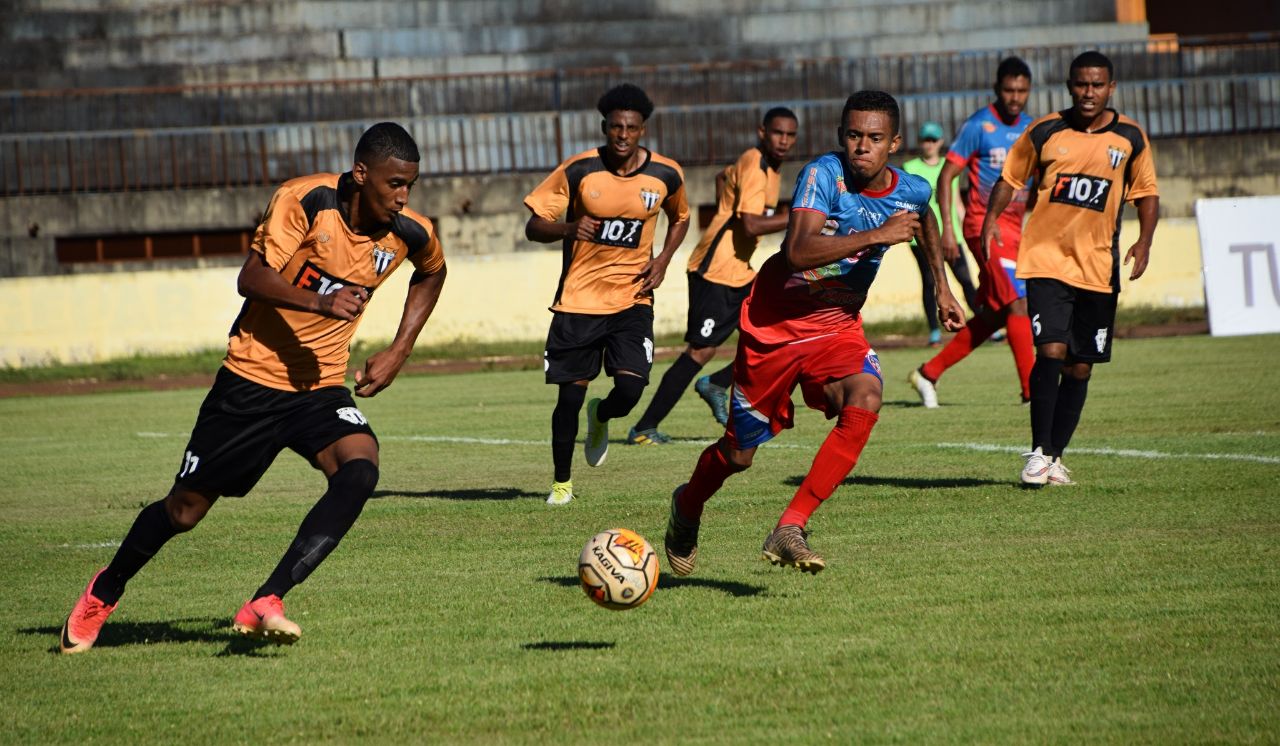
[
  {"x": 561, "y": 90},
  {"x": 703, "y": 134}
]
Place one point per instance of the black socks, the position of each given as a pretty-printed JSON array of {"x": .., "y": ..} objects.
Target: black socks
[
  {"x": 670, "y": 389},
  {"x": 150, "y": 530}
]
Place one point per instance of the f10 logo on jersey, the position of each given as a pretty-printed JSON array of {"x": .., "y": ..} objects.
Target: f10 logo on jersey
[
  {"x": 620, "y": 232},
  {"x": 312, "y": 278},
  {"x": 1081, "y": 190}
]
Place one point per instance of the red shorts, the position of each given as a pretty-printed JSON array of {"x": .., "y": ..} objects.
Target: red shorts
[
  {"x": 765, "y": 375},
  {"x": 998, "y": 286}
]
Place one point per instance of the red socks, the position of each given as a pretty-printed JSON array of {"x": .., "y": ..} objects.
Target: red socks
[
  {"x": 966, "y": 340},
  {"x": 1022, "y": 343},
  {"x": 708, "y": 476},
  {"x": 836, "y": 458}
]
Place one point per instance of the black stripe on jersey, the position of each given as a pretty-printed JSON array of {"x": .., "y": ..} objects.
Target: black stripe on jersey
[
  {"x": 318, "y": 200},
  {"x": 413, "y": 233},
  {"x": 705, "y": 264},
  {"x": 574, "y": 173},
  {"x": 664, "y": 173},
  {"x": 1041, "y": 133}
]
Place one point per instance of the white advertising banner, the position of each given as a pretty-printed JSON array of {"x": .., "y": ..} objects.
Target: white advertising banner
[{"x": 1240, "y": 252}]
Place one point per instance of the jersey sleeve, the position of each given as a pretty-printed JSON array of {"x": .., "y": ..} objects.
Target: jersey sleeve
[
  {"x": 1142, "y": 177},
  {"x": 815, "y": 189},
  {"x": 1020, "y": 164},
  {"x": 966, "y": 143},
  {"x": 282, "y": 230},
  {"x": 752, "y": 186},
  {"x": 676, "y": 205},
  {"x": 431, "y": 258},
  {"x": 550, "y": 198}
]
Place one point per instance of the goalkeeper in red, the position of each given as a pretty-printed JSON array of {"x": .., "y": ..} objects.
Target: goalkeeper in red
[{"x": 802, "y": 326}]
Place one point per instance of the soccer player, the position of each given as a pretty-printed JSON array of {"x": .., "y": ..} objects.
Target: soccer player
[
  {"x": 610, "y": 198},
  {"x": 801, "y": 325},
  {"x": 928, "y": 167},
  {"x": 1089, "y": 160},
  {"x": 981, "y": 146},
  {"x": 720, "y": 272},
  {"x": 326, "y": 242}
]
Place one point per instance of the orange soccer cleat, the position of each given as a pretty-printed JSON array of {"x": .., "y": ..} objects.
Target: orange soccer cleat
[
  {"x": 264, "y": 618},
  {"x": 81, "y": 629}
]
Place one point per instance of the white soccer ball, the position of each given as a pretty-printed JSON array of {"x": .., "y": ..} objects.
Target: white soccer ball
[{"x": 618, "y": 569}]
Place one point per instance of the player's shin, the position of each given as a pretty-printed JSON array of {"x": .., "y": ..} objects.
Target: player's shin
[
  {"x": 1045, "y": 377},
  {"x": 1022, "y": 344},
  {"x": 708, "y": 477},
  {"x": 1066, "y": 413},
  {"x": 670, "y": 389},
  {"x": 150, "y": 530},
  {"x": 836, "y": 458},
  {"x": 622, "y": 398},
  {"x": 564, "y": 428},
  {"x": 330, "y": 518}
]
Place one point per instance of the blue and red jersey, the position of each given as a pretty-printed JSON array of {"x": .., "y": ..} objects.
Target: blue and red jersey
[
  {"x": 785, "y": 305},
  {"x": 980, "y": 148}
]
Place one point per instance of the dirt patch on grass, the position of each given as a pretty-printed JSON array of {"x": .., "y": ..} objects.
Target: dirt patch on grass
[{"x": 504, "y": 362}]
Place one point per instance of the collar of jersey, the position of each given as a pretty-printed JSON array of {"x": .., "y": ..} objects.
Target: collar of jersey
[
  {"x": 648, "y": 156},
  {"x": 1071, "y": 122}
]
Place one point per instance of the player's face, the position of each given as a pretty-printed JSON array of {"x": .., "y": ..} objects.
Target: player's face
[
  {"x": 1091, "y": 88},
  {"x": 777, "y": 137},
  {"x": 868, "y": 139},
  {"x": 623, "y": 130},
  {"x": 384, "y": 187},
  {"x": 1011, "y": 95}
]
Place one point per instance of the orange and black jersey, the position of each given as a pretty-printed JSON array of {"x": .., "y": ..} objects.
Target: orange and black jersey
[
  {"x": 1082, "y": 181},
  {"x": 599, "y": 276},
  {"x": 750, "y": 187},
  {"x": 305, "y": 236}
]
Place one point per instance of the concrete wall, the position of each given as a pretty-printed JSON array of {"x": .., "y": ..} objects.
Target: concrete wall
[{"x": 84, "y": 318}]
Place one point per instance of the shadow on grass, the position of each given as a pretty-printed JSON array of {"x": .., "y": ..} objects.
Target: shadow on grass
[
  {"x": 482, "y": 493},
  {"x": 567, "y": 645},
  {"x": 122, "y": 633},
  {"x": 666, "y": 582},
  {"x": 915, "y": 483}
]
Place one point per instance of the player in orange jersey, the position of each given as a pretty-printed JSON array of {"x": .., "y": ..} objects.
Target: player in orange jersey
[
  {"x": 720, "y": 272},
  {"x": 1089, "y": 160},
  {"x": 610, "y": 198},
  {"x": 325, "y": 244}
]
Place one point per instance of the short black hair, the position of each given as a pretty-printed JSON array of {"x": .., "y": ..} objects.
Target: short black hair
[
  {"x": 872, "y": 101},
  {"x": 386, "y": 140},
  {"x": 775, "y": 112},
  {"x": 1012, "y": 67},
  {"x": 625, "y": 97},
  {"x": 1092, "y": 58}
]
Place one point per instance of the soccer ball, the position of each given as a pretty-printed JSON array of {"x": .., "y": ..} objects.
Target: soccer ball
[{"x": 618, "y": 569}]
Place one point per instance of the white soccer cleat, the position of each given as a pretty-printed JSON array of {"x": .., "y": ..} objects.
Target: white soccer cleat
[
  {"x": 1036, "y": 471},
  {"x": 1059, "y": 474},
  {"x": 596, "y": 445},
  {"x": 561, "y": 493},
  {"x": 925, "y": 388}
]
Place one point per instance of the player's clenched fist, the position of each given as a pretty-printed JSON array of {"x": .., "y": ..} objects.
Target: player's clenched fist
[
  {"x": 585, "y": 228},
  {"x": 344, "y": 303},
  {"x": 901, "y": 227}
]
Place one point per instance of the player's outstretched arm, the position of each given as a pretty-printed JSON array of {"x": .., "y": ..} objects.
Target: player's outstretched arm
[
  {"x": 1001, "y": 196},
  {"x": 259, "y": 282},
  {"x": 1140, "y": 252},
  {"x": 382, "y": 367},
  {"x": 549, "y": 231},
  {"x": 950, "y": 314},
  {"x": 655, "y": 270},
  {"x": 950, "y": 243},
  {"x": 807, "y": 248}
]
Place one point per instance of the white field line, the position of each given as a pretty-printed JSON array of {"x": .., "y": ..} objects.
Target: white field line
[
  {"x": 1124, "y": 452},
  {"x": 988, "y": 447}
]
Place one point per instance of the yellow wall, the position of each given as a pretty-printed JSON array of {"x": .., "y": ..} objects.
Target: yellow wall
[{"x": 94, "y": 317}]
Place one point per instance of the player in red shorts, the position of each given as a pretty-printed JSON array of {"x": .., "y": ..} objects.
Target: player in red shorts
[
  {"x": 980, "y": 148},
  {"x": 802, "y": 326}
]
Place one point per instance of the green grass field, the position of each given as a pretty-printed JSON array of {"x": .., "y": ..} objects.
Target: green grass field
[{"x": 1139, "y": 606}]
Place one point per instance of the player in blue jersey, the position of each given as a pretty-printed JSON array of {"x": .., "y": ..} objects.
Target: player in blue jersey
[
  {"x": 980, "y": 149},
  {"x": 802, "y": 325}
]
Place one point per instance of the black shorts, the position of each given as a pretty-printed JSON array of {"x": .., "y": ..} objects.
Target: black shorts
[
  {"x": 713, "y": 311},
  {"x": 243, "y": 425},
  {"x": 578, "y": 342},
  {"x": 1084, "y": 319}
]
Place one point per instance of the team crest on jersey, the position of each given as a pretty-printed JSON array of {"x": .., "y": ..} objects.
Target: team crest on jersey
[
  {"x": 988, "y": 127},
  {"x": 382, "y": 259},
  {"x": 1116, "y": 155},
  {"x": 840, "y": 187},
  {"x": 650, "y": 198}
]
